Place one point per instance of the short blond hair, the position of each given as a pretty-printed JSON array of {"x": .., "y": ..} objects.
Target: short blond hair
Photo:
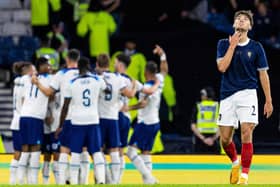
[{"x": 246, "y": 13}]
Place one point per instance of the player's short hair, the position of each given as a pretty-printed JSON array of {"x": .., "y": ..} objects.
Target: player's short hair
[
  {"x": 124, "y": 59},
  {"x": 103, "y": 60},
  {"x": 41, "y": 61},
  {"x": 246, "y": 13},
  {"x": 73, "y": 55},
  {"x": 20, "y": 67},
  {"x": 83, "y": 64},
  {"x": 151, "y": 67}
]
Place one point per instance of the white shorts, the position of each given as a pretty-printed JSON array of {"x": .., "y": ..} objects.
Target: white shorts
[{"x": 241, "y": 107}]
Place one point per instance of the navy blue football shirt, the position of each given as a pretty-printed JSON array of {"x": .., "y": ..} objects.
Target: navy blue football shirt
[{"x": 242, "y": 71}]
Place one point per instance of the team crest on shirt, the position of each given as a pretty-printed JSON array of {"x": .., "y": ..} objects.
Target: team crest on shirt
[{"x": 249, "y": 53}]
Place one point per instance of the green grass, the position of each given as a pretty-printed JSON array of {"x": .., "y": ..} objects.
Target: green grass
[{"x": 157, "y": 185}]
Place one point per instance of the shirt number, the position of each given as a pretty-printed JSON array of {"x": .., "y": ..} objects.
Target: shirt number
[
  {"x": 86, "y": 97},
  {"x": 35, "y": 90}
]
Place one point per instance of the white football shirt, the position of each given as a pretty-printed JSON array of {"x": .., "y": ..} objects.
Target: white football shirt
[
  {"x": 109, "y": 103},
  {"x": 35, "y": 102},
  {"x": 59, "y": 83},
  {"x": 150, "y": 113},
  {"x": 17, "y": 103},
  {"x": 84, "y": 92}
]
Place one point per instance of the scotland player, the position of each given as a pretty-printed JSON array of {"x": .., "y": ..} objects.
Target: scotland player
[{"x": 242, "y": 61}]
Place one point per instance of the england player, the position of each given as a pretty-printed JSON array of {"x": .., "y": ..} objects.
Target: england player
[
  {"x": 20, "y": 69},
  {"x": 58, "y": 83},
  {"x": 241, "y": 61},
  {"x": 108, "y": 106},
  {"x": 50, "y": 146},
  {"x": 148, "y": 119},
  {"x": 83, "y": 92},
  {"x": 33, "y": 114},
  {"x": 122, "y": 61}
]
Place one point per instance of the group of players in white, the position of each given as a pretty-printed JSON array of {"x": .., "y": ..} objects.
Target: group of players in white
[{"x": 81, "y": 113}]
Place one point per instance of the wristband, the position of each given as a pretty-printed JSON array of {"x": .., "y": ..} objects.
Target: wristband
[{"x": 163, "y": 57}]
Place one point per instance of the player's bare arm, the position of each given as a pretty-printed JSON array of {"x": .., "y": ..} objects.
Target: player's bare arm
[
  {"x": 139, "y": 105},
  {"x": 130, "y": 92},
  {"x": 46, "y": 90},
  {"x": 151, "y": 89},
  {"x": 64, "y": 112},
  {"x": 163, "y": 62},
  {"x": 224, "y": 62},
  {"x": 265, "y": 83}
]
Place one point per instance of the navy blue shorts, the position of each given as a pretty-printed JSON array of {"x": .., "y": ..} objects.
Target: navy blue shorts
[
  {"x": 124, "y": 125},
  {"x": 85, "y": 135},
  {"x": 144, "y": 136},
  {"x": 50, "y": 144},
  {"x": 110, "y": 133},
  {"x": 16, "y": 140},
  {"x": 31, "y": 130},
  {"x": 65, "y": 135}
]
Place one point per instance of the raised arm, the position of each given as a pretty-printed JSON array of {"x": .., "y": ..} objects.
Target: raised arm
[
  {"x": 163, "y": 62},
  {"x": 224, "y": 62},
  {"x": 265, "y": 83}
]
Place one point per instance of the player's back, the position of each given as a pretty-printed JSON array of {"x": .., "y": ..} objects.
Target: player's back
[
  {"x": 17, "y": 95},
  {"x": 124, "y": 100},
  {"x": 35, "y": 102},
  {"x": 109, "y": 102},
  {"x": 150, "y": 113},
  {"x": 84, "y": 91},
  {"x": 60, "y": 81}
]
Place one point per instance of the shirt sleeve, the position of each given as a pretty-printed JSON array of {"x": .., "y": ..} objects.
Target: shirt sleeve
[
  {"x": 103, "y": 84},
  {"x": 139, "y": 86},
  {"x": 55, "y": 81},
  {"x": 261, "y": 58},
  {"x": 122, "y": 83},
  {"x": 221, "y": 49}
]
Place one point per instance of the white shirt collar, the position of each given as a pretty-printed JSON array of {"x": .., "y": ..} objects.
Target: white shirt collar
[{"x": 244, "y": 43}]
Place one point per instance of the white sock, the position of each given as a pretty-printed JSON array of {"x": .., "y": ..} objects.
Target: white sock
[
  {"x": 34, "y": 166},
  {"x": 122, "y": 168},
  {"x": 46, "y": 172},
  {"x": 62, "y": 166},
  {"x": 85, "y": 165},
  {"x": 55, "y": 171},
  {"x": 99, "y": 167},
  {"x": 235, "y": 163},
  {"x": 244, "y": 175},
  {"x": 13, "y": 172},
  {"x": 148, "y": 161},
  {"x": 74, "y": 167},
  {"x": 28, "y": 173},
  {"x": 108, "y": 172},
  {"x": 138, "y": 162},
  {"x": 116, "y": 166},
  {"x": 22, "y": 166}
]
